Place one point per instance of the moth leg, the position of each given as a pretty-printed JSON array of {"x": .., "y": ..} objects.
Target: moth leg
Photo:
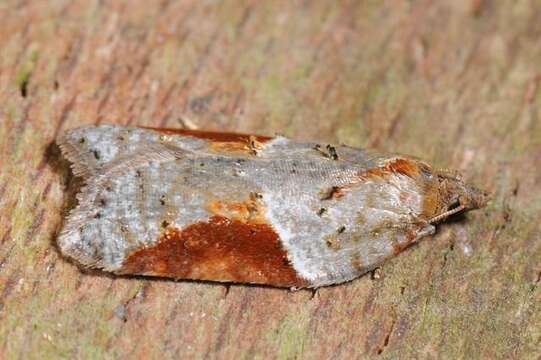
[
  {"x": 329, "y": 153},
  {"x": 426, "y": 230},
  {"x": 422, "y": 227},
  {"x": 420, "y": 222},
  {"x": 187, "y": 123}
]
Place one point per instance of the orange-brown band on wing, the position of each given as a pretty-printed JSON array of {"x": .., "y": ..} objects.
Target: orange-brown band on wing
[
  {"x": 432, "y": 204},
  {"x": 394, "y": 166},
  {"x": 403, "y": 166},
  {"x": 411, "y": 234},
  {"x": 249, "y": 211},
  {"x": 221, "y": 249},
  {"x": 225, "y": 137}
]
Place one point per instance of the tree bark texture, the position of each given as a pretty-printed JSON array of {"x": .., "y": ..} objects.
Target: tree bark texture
[{"x": 457, "y": 83}]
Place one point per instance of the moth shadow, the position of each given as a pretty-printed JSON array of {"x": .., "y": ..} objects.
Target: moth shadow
[
  {"x": 61, "y": 167},
  {"x": 456, "y": 219},
  {"x": 97, "y": 273},
  {"x": 195, "y": 281}
]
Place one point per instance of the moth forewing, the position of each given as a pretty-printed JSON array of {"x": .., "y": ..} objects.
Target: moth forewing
[{"x": 248, "y": 209}]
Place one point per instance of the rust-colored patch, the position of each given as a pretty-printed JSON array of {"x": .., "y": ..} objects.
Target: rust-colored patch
[
  {"x": 222, "y": 141},
  {"x": 432, "y": 203},
  {"x": 403, "y": 196},
  {"x": 374, "y": 172},
  {"x": 357, "y": 264},
  {"x": 394, "y": 166},
  {"x": 403, "y": 166},
  {"x": 333, "y": 242},
  {"x": 248, "y": 144},
  {"x": 222, "y": 137},
  {"x": 250, "y": 210},
  {"x": 221, "y": 249},
  {"x": 335, "y": 192},
  {"x": 410, "y": 235},
  {"x": 232, "y": 147}
]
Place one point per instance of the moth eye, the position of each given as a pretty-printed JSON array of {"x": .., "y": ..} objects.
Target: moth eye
[
  {"x": 462, "y": 200},
  {"x": 425, "y": 171}
]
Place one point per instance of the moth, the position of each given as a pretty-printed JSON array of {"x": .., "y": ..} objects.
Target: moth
[{"x": 228, "y": 207}]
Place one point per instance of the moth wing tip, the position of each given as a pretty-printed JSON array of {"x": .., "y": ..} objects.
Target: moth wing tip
[
  {"x": 74, "y": 153},
  {"x": 71, "y": 245}
]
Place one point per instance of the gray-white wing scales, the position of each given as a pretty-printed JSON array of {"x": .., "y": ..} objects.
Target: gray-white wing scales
[
  {"x": 354, "y": 233},
  {"x": 139, "y": 182}
]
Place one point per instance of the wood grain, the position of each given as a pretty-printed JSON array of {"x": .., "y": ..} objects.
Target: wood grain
[{"x": 456, "y": 83}]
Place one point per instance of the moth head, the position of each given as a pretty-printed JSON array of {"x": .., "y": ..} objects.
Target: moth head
[
  {"x": 444, "y": 192},
  {"x": 455, "y": 195}
]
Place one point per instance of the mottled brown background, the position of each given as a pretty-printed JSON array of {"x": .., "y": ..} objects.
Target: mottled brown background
[{"x": 455, "y": 82}]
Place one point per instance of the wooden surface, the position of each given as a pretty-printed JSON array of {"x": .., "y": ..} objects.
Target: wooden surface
[{"x": 457, "y": 83}]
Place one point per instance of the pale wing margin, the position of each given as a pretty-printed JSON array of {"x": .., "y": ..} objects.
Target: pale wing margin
[
  {"x": 95, "y": 149},
  {"x": 98, "y": 154}
]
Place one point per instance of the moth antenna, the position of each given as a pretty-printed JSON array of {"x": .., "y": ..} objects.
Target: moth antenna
[{"x": 446, "y": 214}]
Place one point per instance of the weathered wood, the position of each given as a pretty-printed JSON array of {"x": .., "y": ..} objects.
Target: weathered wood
[{"x": 457, "y": 83}]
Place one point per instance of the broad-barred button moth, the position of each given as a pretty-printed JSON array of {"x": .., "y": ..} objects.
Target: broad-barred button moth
[{"x": 228, "y": 207}]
